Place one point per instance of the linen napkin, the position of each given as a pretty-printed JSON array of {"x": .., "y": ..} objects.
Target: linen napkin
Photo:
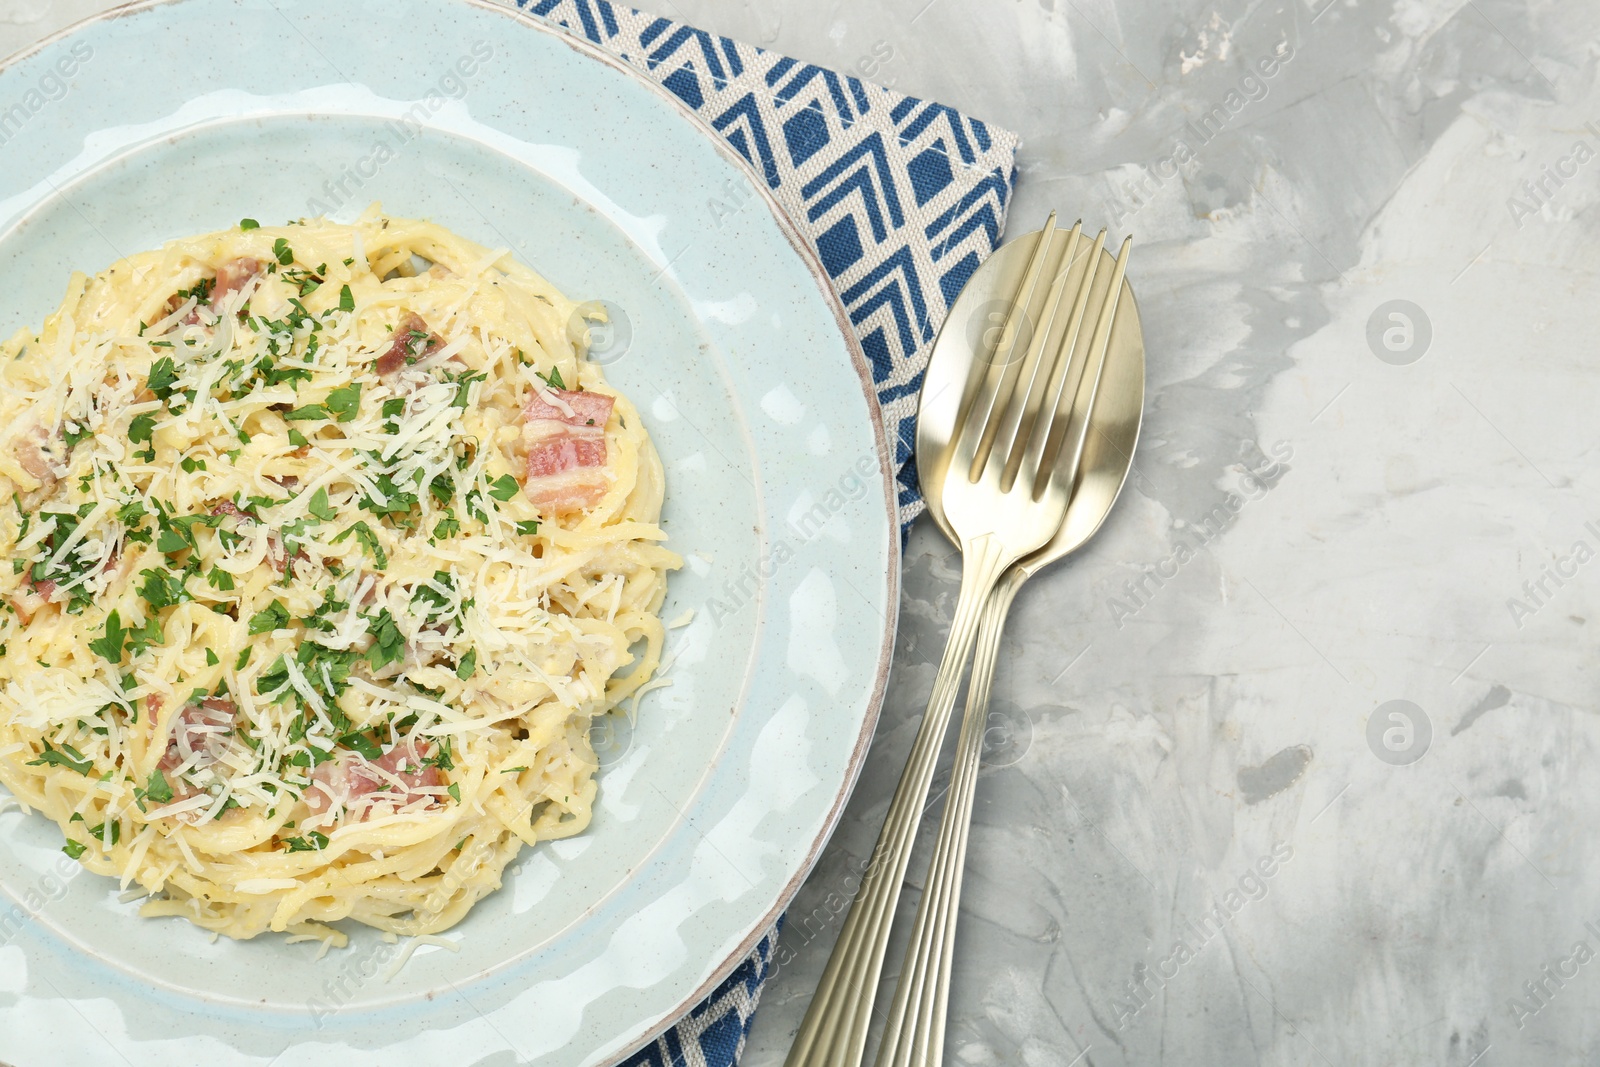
[{"x": 902, "y": 199}]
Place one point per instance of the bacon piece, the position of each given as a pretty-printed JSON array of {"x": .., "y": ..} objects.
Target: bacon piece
[
  {"x": 276, "y": 556},
  {"x": 191, "y": 319},
  {"x": 280, "y": 559},
  {"x": 366, "y": 591},
  {"x": 405, "y": 763},
  {"x": 234, "y": 276},
  {"x": 31, "y": 597},
  {"x": 231, "y": 278},
  {"x": 589, "y": 411},
  {"x": 412, "y": 341},
  {"x": 361, "y": 784},
  {"x": 37, "y": 454},
  {"x": 565, "y": 442},
  {"x": 200, "y": 730}
]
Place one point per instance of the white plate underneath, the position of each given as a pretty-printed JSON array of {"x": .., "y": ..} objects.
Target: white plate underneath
[{"x": 185, "y": 116}]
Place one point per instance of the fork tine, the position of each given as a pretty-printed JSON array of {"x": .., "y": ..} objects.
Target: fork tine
[
  {"x": 1069, "y": 370},
  {"x": 999, "y": 460},
  {"x": 1002, "y": 435},
  {"x": 978, "y": 413},
  {"x": 1076, "y": 431}
]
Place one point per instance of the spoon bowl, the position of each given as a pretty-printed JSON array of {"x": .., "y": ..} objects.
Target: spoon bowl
[{"x": 973, "y": 332}]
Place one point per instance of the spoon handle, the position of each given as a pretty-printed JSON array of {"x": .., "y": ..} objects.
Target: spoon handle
[
  {"x": 834, "y": 1033},
  {"x": 914, "y": 1035}
]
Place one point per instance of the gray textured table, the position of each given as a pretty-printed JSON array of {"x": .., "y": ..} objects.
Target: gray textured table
[{"x": 1290, "y": 766}]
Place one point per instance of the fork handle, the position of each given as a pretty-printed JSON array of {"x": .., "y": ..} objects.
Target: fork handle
[
  {"x": 834, "y": 1033},
  {"x": 914, "y": 1034}
]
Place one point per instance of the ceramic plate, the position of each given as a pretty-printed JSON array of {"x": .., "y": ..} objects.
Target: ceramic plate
[{"x": 168, "y": 119}]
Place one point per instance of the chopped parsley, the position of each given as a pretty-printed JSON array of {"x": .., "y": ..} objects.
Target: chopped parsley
[
  {"x": 171, "y": 542},
  {"x": 369, "y": 541},
  {"x": 109, "y": 647},
  {"x": 177, "y": 531},
  {"x": 273, "y": 617},
  {"x": 142, "y": 637},
  {"x": 443, "y": 758},
  {"x": 434, "y": 602},
  {"x": 363, "y": 744},
  {"x": 319, "y": 506},
  {"x": 345, "y": 401},
  {"x": 388, "y": 643},
  {"x": 163, "y": 377},
  {"x": 312, "y": 842},
  {"x": 162, "y": 589},
  {"x": 141, "y": 431},
  {"x": 65, "y": 756},
  {"x": 157, "y": 788},
  {"x": 464, "y": 386},
  {"x": 503, "y": 488}
]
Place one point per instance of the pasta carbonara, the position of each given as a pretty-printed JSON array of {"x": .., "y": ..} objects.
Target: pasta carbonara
[{"x": 326, "y": 546}]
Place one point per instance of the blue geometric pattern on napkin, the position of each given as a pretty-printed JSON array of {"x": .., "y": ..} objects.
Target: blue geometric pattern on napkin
[
  {"x": 902, "y": 200},
  {"x": 713, "y": 1034}
]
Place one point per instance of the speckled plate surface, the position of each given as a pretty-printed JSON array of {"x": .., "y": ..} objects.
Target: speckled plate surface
[{"x": 174, "y": 118}]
